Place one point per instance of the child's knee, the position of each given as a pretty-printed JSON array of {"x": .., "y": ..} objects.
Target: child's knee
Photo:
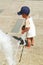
[{"x": 29, "y": 40}]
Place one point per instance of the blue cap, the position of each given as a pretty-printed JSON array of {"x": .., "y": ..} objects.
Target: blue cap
[{"x": 24, "y": 10}]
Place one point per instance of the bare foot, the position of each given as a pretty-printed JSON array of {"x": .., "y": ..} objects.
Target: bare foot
[{"x": 32, "y": 44}]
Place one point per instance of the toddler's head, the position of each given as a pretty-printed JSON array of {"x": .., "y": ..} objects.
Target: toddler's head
[{"x": 25, "y": 11}]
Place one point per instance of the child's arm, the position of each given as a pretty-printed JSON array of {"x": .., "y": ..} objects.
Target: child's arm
[
  {"x": 25, "y": 30},
  {"x": 26, "y": 27}
]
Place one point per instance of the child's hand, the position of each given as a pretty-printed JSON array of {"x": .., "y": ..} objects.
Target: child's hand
[
  {"x": 23, "y": 27},
  {"x": 23, "y": 32}
]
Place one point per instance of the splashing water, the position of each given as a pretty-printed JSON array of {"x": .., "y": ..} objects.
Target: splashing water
[{"x": 9, "y": 47}]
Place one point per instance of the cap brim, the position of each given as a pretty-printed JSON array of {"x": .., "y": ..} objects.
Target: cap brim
[{"x": 19, "y": 13}]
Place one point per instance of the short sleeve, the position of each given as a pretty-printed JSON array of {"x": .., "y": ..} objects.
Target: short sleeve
[{"x": 27, "y": 23}]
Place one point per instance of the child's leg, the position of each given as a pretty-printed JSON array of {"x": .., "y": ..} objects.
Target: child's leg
[
  {"x": 29, "y": 42},
  {"x": 32, "y": 41}
]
